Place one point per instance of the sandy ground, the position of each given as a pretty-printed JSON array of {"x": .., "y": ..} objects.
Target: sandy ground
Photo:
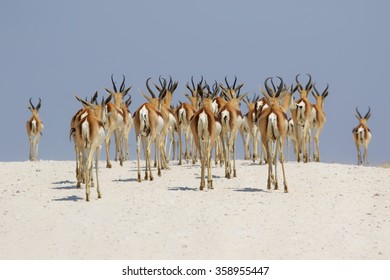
[{"x": 332, "y": 211}]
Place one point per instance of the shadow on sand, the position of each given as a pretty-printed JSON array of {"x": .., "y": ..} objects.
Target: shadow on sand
[
  {"x": 182, "y": 189},
  {"x": 73, "y": 198},
  {"x": 249, "y": 190}
]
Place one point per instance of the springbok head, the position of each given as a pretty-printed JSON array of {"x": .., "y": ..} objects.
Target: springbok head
[
  {"x": 231, "y": 91},
  {"x": 153, "y": 99},
  {"x": 274, "y": 94},
  {"x": 118, "y": 95},
  {"x": 317, "y": 95},
  {"x": 363, "y": 120},
  {"x": 34, "y": 109},
  {"x": 304, "y": 91}
]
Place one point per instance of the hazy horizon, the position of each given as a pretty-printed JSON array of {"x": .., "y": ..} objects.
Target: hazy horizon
[{"x": 56, "y": 50}]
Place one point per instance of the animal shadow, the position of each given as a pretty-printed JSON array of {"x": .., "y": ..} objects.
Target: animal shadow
[
  {"x": 249, "y": 190},
  {"x": 70, "y": 185},
  {"x": 73, "y": 198},
  {"x": 182, "y": 189}
]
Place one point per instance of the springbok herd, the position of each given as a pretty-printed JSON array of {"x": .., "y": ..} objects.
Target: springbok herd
[{"x": 210, "y": 120}]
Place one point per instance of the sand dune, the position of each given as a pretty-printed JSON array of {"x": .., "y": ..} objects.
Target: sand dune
[{"x": 332, "y": 211}]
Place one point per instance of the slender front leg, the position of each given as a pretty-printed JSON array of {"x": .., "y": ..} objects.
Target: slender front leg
[
  {"x": 282, "y": 163},
  {"x": 138, "y": 157},
  {"x": 97, "y": 169},
  {"x": 208, "y": 158},
  {"x": 107, "y": 143}
]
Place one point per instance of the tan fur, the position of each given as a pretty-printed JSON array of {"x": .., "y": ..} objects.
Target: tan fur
[
  {"x": 184, "y": 127},
  {"x": 229, "y": 116},
  {"x": 362, "y": 137},
  {"x": 34, "y": 132},
  {"x": 269, "y": 136},
  {"x": 204, "y": 137},
  {"x": 88, "y": 144},
  {"x": 147, "y": 136}
]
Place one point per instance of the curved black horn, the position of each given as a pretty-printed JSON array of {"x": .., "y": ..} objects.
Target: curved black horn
[
  {"x": 296, "y": 79},
  {"x": 39, "y": 104},
  {"x": 122, "y": 88},
  {"x": 94, "y": 97},
  {"x": 357, "y": 111},
  {"x": 32, "y": 106},
  {"x": 281, "y": 85},
  {"x": 326, "y": 89},
  {"x": 315, "y": 89},
  {"x": 269, "y": 91},
  {"x": 273, "y": 85},
  {"x": 308, "y": 83},
  {"x": 368, "y": 113},
  {"x": 147, "y": 86},
  {"x": 235, "y": 81},
  {"x": 201, "y": 79},
  {"x": 113, "y": 83},
  {"x": 227, "y": 84},
  {"x": 193, "y": 84}
]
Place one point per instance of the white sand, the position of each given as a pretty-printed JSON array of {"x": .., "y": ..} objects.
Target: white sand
[{"x": 332, "y": 211}]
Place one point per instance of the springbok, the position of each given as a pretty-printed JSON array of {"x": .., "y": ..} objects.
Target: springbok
[
  {"x": 318, "y": 119},
  {"x": 166, "y": 112},
  {"x": 128, "y": 125},
  {"x": 149, "y": 125},
  {"x": 89, "y": 135},
  {"x": 116, "y": 121},
  {"x": 184, "y": 114},
  {"x": 100, "y": 112},
  {"x": 303, "y": 118},
  {"x": 204, "y": 130},
  {"x": 272, "y": 123},
  {"x": 231, "y": 119},
  {"x": 250, "y": 129},
  {"x": 362, "y": 136},
  {"x": 34, "y": 127}
]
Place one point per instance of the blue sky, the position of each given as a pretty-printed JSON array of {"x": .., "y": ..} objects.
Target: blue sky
[{"x": 58, "y": 49}]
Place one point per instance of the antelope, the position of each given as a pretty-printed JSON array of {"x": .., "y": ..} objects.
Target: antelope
[
  {"x": 318, "y": 118},
  {"x": 302, "y": 119},
  {"x": 362, "y": 136},
  {"x": 89, "y": 135},
  {"x": 128, "y": 125},
  {"x": 184, "y": 114},
  {"x": 231, "y": 119},
  {"x": 272, "y": 123},
  {"x": 148, "y": 125},
  {"x": 100, "y": 112},
  {"x": 116, "y": 121},
  {"x": 194, "y": 102},
  {"x": 250, "y": 128},
  {"x": 167, "y": 114},
  {"x": 208, "y": 102},
  {"x": 203, "y": 127},
  {"x": 34, "y": 127}
]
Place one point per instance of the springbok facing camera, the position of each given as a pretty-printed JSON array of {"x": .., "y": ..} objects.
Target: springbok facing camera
[
  {"x": 362, "y": 136},
  {"x": 34, "y": 127}
]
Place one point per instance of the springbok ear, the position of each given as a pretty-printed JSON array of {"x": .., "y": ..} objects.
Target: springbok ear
[
  {"x": 243, "y": 96},
  {"x": 266, "y": 95},
  {"x": 85, "y": 103}
]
